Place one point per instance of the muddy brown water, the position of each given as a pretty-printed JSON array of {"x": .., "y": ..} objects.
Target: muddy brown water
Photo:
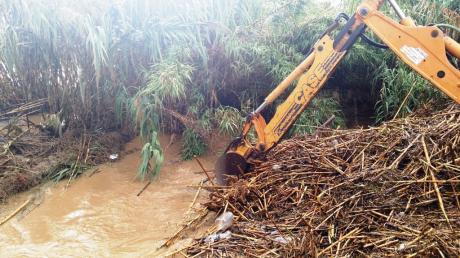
[{"x": 100, "y": 215}]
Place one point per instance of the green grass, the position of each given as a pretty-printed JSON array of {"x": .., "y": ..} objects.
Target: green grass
[
  {"x": 318, "y": 112},
  {"x": 403, "y": 91},
  {"x": 69, "y": 170},
  {"x": 229, "y": 120}
]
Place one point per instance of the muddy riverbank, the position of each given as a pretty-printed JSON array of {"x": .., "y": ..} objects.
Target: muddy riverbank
[
  {"x": 30, "y": 154},
  {"x": 100, "y": 215}
]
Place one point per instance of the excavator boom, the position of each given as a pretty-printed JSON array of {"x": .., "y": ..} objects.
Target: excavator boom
[{"x": 423, "y": 48}]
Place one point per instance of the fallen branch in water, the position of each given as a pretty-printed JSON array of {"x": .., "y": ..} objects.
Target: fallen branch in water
[
  {"x": 15, "y": 212},
  {"x": 171, "y": 240},
  {"x": 204, "y": 170},
  {"x": 144, "y": 188}
]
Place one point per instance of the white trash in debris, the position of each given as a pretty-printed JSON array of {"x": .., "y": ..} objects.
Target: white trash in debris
[
  {"x": 218, "y": 236},
  {"x": 113, "y": 156},
  {"x": 335, "y": 142},
  {"x": 277, "y": 167},
  {"x": 224, "y": 221},
  {"x": 282, "y": 240},
  {"x": 275, "y": 236}
]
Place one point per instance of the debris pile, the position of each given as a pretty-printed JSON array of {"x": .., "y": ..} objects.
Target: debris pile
[
  {"x": 392, "y": 190},
  {"x": 28, "y": 154}
]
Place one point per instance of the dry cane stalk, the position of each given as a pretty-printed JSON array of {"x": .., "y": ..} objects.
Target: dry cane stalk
[{"x": 438, "y": 193}]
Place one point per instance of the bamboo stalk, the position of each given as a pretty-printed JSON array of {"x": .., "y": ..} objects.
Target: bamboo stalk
[
  {"x": 195, "y": 198},
  {"x": 204, "y": 170},
  {"x": 7, "y": 218},
  {"x": 356, "y": 230},
  {"x": 438, "y": 193}
]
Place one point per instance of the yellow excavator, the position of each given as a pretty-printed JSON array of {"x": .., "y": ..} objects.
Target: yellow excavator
[{"x": 424, "y": 48}]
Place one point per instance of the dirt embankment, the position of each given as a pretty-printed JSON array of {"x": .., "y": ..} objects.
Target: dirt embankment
[{"x": 29, "y": 155}]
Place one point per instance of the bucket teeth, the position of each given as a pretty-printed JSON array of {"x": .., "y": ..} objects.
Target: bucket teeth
[{"x": 229, "y": 164}]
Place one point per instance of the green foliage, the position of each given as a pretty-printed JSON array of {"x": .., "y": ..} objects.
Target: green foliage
[
  {"x": 167, "y": 80},
  {"x": 193, "y": 144},
  {"x": 147, "y": 119},
  {"x": 402, "y": 92},
  {"x": 70, "y": 170},
  {"x": 320, "y": 110},
  {"x": 122, "y": 104},
  {"x": 151, "y": 151},
  {"x": 228, "y": 120}
]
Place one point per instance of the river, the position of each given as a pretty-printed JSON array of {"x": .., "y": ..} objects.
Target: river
[{"x": 100, "y": 215}]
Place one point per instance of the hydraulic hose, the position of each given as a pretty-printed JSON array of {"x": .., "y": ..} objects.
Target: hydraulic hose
[
  {"x": 445, "y": 25},
  {"x": 373, "y": 43},
  {"x": 363, "y": 36}
]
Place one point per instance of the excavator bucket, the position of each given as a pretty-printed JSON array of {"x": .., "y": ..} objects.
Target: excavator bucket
[{"x": 230, "y": 163}]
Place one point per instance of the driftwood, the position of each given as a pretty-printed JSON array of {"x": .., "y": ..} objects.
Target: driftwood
[
  {"x": 20, "y": 208},
  {"x": 392, "y": 190},
  {"x": 143, "y": 189},
  {"x": 204, "y": 170}
]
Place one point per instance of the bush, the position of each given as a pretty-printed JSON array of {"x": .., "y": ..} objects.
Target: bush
[{"x": 193, "y": 144}]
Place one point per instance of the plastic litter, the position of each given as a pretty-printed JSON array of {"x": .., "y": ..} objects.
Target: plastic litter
[
  {"x": 277, "y": 167},
  {"x": 224, "y": 221},
  {"x": 218, "y": 236},
  {"x": 282, "y": 240}
]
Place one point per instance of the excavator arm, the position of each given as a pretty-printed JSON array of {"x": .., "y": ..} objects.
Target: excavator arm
[{"x": 423, "y": 48}]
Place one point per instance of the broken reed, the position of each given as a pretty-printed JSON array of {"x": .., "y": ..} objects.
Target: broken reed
[{"x": 391, "y": 190}]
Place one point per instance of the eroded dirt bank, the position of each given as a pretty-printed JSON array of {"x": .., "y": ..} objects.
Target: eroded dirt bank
[
  {"x": 32, "y": 153},
  {"x": 100, "y": 215}
]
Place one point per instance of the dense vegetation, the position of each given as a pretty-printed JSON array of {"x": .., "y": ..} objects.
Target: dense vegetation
[{"x": 192, "y": 66}]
